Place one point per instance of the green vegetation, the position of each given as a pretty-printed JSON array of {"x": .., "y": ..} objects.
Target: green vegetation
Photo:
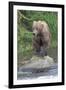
[{"x": 24, "y": 30}]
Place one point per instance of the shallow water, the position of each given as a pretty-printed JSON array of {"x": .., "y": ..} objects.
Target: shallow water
[{"x": 35, "y": 73}]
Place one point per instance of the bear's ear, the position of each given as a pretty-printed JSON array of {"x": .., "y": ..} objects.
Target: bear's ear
[{"x": 34, "y": 24}]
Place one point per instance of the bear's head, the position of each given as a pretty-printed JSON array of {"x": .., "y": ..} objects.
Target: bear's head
[
  {"x": 37, "y": 28},
  {"x": 40, "y": 29}
]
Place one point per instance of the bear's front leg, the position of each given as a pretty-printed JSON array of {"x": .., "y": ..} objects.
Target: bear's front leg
[
  {"x": 36, "y": 48},
  {"x": 43, "y": 52}
]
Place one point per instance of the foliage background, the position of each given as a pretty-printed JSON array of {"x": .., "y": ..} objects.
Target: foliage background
[{"x": 25, "y": 19}]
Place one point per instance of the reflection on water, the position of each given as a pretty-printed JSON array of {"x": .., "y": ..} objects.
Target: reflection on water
[{"x": 30, "y": 73}]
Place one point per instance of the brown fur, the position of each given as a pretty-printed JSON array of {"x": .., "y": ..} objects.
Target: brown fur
[{"x": 41, "y": 36}]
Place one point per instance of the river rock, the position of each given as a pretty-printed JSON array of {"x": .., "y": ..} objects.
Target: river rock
[{"x": 39, "y": 62}]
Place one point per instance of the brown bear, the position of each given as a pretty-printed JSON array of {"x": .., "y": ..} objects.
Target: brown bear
[{"x": 41, "y": 37}]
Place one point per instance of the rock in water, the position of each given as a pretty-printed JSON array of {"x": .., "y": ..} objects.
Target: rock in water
[
  {"x": 38, "y": 67},
  {"x": 40, "y": 62}
]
